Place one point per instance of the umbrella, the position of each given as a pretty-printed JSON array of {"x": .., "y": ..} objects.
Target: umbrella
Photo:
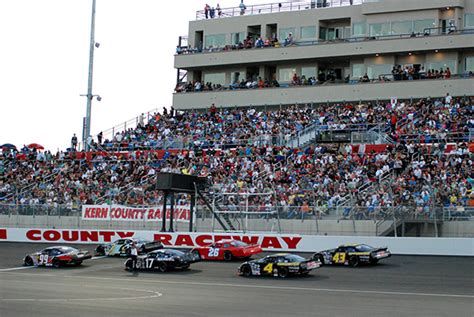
[
  {"x": 35, "y": 146},
  {"x": 8, "y": 146}
]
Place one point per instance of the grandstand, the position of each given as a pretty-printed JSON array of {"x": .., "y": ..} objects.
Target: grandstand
[{"x": 360, "y": 116}]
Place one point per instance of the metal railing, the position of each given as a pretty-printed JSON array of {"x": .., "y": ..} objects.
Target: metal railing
[{"x": 278, "y": 7}]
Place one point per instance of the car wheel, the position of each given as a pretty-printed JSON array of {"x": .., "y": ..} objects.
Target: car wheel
[
  {"x": 78, "y": 263},
  {"x": 283, "y": 272},
  {"x": 228, "y": 256},
  {"x": 29, "y": 261},
  {"x": 305, "y": 274},
  {"x": 246, "y": 271},
  {"x": 129, "y": 265},
  {"x": 374, "y": 261},
  {"x": 56, "y": 263},
  {"x": 196, "y": 253},
  {"x": 320, "y": 258},
  {"x": 99, "y": 251},
  {"x": 354, "y": 261},
  {"x": 162, "y": 267},
  {"x": 185, "y": 267}
]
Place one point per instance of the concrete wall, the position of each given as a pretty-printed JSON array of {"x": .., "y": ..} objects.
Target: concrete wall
[
  {"x": 310, "y": 227},
  {"x": 325, "y": 93}
]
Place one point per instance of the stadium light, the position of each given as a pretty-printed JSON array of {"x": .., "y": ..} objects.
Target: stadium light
[{"x": 87, "y": 122}]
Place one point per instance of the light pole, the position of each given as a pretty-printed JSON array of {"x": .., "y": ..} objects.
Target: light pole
[{"x": 89, "y": 95}]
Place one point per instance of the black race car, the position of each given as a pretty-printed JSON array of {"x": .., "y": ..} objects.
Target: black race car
[
  {"x": 56, "y": 257},
  {"x": 121, "y": 247},
  {"x": 281, "y": 265},
  {"x": 352, "y": 254},
  {"x": 163, "y": 260}
]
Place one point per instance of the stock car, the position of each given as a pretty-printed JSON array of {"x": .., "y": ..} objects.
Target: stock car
[
  {"x": 227, "y": 250},
  {"x": 121, "y": 247},
  {"x": 163, "y": 260},
  {"x": 281, "y": 265},
  {"x": 57, "y": 256},
  {"x": 352, "y": 255}
]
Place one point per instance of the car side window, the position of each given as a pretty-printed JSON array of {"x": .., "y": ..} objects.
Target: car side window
[
  {"x": 351, "y": 249},
  {"x": 218, "y": 245},
  {"x": 54, "y": 252},
  {"x": 341, "y": 249},
  {"x": 226, "y": 245}
]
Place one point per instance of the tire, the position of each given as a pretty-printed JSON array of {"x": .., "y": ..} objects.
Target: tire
[
  {"x": 196, "y": 253},
  {"x": 29, "y": 261},
  {"x": 246, "y": 271},
  {"x": 283, "y": 272},
  {"x": 99, "y": 251},
  {"x": 305, "y": 274},
  {"x": 162, "y": 267},
  {"x": 374, "y": 261},
  {"x": 56, "y": 264},
  {"x": 228, "y": 256},
  {"x": 354, "y": 261},
  {"x": 320, "y": 258},
  {"x": 78, "y": 263},
  {"x": 186, "y": 267},
  {"x": 129, "y": 265}
]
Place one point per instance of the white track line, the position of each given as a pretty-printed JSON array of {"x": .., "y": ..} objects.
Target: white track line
[
  {"x": 16, "y": 268},
  {"x": 328, "y": 290},
  {"x": 98, "y": 257}
]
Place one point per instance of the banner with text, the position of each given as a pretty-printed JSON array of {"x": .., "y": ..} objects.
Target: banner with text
[{"x": 125, "y": 213}]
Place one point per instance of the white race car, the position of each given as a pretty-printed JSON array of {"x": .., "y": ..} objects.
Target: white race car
[{"x": 121, "y": 247}]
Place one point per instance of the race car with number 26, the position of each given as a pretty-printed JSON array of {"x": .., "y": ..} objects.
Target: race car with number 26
[
  {"x": 163, "y": 260},
  {"x": 121, "y": 247},
  {"x": 352, "y": 255},
  {"x": 227, "y": 250},
  {"x": 281, "y": 265},
  {"x": 56, "y": 257}
]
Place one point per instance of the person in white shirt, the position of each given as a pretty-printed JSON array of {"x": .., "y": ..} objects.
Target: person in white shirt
[{"x": 134, "y": 255}]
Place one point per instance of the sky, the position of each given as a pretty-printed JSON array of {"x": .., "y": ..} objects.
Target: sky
[{"x": 44, "y": 60}]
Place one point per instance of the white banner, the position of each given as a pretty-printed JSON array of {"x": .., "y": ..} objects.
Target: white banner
[
  {"x": 124, "y": 213},
  {"x": 268, "y": 241}
]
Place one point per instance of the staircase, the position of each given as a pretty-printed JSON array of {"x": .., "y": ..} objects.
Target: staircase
[{"x": 223, "y": 219}]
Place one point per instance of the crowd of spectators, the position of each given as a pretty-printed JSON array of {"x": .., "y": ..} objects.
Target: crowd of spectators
[{"x": 224, "y": 146}]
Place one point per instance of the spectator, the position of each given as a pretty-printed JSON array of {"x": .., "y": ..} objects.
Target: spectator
[
  {"x": 74, "y": 142},
  {"x": 242, "y": 7},
  {"x": 219, "y": 10},
  {"x": 207, "y": 8}
]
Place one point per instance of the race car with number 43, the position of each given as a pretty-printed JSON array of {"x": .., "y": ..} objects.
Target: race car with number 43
[
  {"x": 121, "y": 247},
  {"x": 56, "y": 257},
  {"x": 352, "y": 255},
  {"x": 163, "y": 260},
  {"x": 227, "y": 250},
  {"x": 281, "y": 265}
]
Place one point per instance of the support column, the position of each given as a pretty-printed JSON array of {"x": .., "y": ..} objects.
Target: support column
[
  {"x": 171, "y": 229},
  {"x": 191, "y": 212},
  {"x": 163, "y": 215}
]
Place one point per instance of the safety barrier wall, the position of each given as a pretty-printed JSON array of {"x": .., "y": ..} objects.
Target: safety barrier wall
[{"x": 269, "y": 242}]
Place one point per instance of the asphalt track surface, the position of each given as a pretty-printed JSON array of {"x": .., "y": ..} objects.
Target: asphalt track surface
[{"x": 398, "y": 286}]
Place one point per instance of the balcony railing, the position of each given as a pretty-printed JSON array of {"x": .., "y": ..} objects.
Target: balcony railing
[{"x": 278, "y": 7}]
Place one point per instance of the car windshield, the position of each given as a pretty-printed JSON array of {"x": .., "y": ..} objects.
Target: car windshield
[
  {"x": 364, "y": 248},
  {"x": 239, "y": 244},
  {"x": 294, "y": 258},
  {"x": 175, "y": 252}
]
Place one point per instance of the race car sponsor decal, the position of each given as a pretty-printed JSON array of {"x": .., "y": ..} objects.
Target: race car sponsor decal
[{"x": 124, "y": 213}]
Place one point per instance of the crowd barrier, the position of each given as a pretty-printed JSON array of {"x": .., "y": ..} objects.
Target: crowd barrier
[{"x": 269, "y": 242}]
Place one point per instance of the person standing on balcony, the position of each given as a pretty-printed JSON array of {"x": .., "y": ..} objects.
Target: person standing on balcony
[
  {"x": 242, "y": 7},
  {"x": 219, "y": 10},
  {"x": 206, "y": 11},
  {"x": 74, "y": 142}
]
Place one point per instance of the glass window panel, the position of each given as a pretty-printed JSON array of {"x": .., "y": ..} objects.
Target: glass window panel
[
  {"x": 469, "y": 20},
  {"x": 215, "y": 78},
  {"x": 308, "y": 72},
  {"x": 308, "y": 32},
  {"x": 215, "y": 40},
  {"x": 374, "y": 71},
  {"x": 469, "y": 64},
  {"x": 379, "y": 29},
  {"x": 403, "y": 27},
  {"x": 359, "y": 29},
  {"x": 358, "y": 70},
  {"x": 284, "y": 33},
  {"x": 437, "y": 65},
  {"x": 286, "y": 74},
  {"x": 420, "y": 25},
  {"x": 238, "y": 37}
]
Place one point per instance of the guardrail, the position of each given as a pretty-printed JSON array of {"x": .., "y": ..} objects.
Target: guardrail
[{"x": 276, "y": 7}]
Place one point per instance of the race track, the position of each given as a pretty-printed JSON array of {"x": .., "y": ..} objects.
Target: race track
[{"x": 399, "y": 286}]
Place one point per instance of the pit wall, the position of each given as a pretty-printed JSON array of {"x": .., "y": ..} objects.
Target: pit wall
[{"x": 268, "y": 241}]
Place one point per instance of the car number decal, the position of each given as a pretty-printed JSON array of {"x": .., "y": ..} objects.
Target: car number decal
[{"x": 213, "y": 252}]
